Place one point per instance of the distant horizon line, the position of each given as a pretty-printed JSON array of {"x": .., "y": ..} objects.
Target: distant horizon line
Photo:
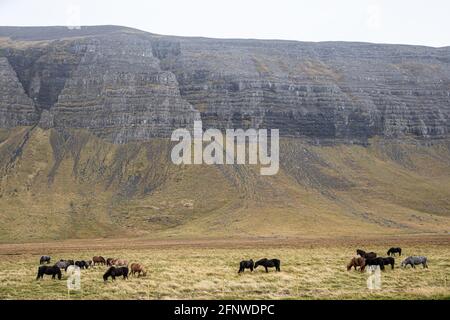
[{"x": 223, "y": 38}]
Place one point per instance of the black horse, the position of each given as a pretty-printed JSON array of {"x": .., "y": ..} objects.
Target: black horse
[
  {"x": 389, "y": 261},
  {"x": 375, "y": 262},
  {"x": 393, "y": 251},
  {"x": 366, "y": 255},
  {"x": 45, "y": 259},
  {"x": 116, "y": 271},
  {"x": 266, "y": 263},
  {"x": 246, "y": 264},
  {"x": 82, "y": 264},
  {"x": 53, "y": 271}
]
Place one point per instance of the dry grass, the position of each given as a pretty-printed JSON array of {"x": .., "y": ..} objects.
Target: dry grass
[{"x": 308, "y": 272}]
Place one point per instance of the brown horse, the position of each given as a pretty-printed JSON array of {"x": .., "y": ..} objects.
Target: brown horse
[
  {"x": 98, "y": 260},
  {"x": 137, "y": 268},
  {"x": 357, "y": 262}
]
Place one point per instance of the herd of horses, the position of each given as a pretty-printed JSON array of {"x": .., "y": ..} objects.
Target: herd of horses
[
  {"x": 116, "y": 267},
  {"x": 121, "y": 267},
  {"x": 364, "y": 259}
]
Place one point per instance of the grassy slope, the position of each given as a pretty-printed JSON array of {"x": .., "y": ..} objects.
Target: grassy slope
[{"x": 74, "y": 185}]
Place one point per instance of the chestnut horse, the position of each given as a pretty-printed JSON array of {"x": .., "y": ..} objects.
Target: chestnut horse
[
  {"x": 357, "y": 262},
  {"x": 98, "y": 260},
  {"x": 138, "y": 268}
]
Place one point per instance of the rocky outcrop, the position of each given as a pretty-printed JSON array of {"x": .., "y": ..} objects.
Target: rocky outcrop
[
  {"x": 118, "y": 91},
  {"x": 124, "y": 84},
  {"x": 16, "y": 108}
]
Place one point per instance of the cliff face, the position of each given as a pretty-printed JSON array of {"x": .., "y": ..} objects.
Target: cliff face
[
  {"x": 123, "y": 84},
  {"x": 16, "y": 108},
  {"x": 324, "y": 90}
]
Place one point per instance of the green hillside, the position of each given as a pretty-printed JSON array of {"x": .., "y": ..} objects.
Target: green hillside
[{"x": 64, "y": 185}]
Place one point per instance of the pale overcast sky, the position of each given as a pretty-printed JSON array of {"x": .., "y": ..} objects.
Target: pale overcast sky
[{"x": 423, "y": 22}]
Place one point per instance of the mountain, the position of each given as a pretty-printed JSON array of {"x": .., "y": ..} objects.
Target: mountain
[{"x": 85, "y": 117}]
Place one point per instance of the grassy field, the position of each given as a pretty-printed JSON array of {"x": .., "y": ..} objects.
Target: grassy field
[{"x": 309, "y": 270}]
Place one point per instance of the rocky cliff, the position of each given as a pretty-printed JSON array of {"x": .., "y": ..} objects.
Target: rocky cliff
[{"x": 124, "y": 84}]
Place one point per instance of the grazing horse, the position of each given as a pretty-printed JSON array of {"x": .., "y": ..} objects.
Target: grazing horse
[
  {"x": 375, "y": 262},
  {"x": 53, "y": 271},
  {"x": 393, "y": 251},
  {"x": 246, "y": 264},
  {"x": 415, "y": 260},
  {"x": 64, "y": 264},
  {"x": 367, "y": 255},
  {"x": 45, "y": 259},
  {"x": 120, "y": 263},
  {"x": 357, "y": 262},
  {"x": 389, "y": 261},
  {"x": 116, "y": 271},
  {"x": 98, "y": 260},
  {"x": 110, "y": 261},
  {"x": 138, "y": 268},
  {"x": 266, "y": 263},
  {"x": 82, "y": 264}
]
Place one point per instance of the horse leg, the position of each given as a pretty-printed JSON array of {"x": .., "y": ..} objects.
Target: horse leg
[{"x": 267, "y": 270}]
